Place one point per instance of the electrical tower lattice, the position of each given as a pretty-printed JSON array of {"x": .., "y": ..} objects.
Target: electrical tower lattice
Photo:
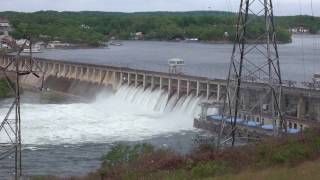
[
  {"x": 10, "y": 127},
  {"x": 255, "y": 59}
]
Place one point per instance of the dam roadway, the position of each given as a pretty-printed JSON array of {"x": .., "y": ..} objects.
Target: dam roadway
[{"x": 303, "y": 104}]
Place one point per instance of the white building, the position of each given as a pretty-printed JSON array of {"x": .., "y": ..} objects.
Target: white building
[
  {"x": 300, "y": 29},
  {"x": 176, "y": 65},
  {"x": 137, "y": 36},
  {"x": 84, "y": 26}
]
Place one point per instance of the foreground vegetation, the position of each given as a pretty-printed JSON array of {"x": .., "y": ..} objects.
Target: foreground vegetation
[
  {"x": 307, "y": 170},
  {"x": 5, "y": 90},
  {"x": 285, "y": 158},
  {"x": 95, "y": 27}
]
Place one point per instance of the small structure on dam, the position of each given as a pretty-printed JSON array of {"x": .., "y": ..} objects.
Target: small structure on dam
[{"x": 176, "y": 65}]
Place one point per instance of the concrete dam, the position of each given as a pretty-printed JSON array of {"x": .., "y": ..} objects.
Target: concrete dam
[{"x": 162, "y": 91}]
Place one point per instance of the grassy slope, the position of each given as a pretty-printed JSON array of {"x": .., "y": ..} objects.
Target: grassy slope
[
  {"x": 292, "y": 157},
  {"x": 287, "y": 152},
  {"x": 309, "y": 170}
]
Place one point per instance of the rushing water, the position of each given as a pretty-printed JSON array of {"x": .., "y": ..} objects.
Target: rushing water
[{"x": 69, "y": 138}]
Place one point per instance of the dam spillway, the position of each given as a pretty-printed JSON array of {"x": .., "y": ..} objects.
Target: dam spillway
[
  {"x": 116, "y": 76},
  {"x": 173, "y": 90},
  {"x": 166, "y": 92}
]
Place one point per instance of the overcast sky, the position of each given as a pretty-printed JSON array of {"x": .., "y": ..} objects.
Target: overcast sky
[{"x": 282, "y": 7}]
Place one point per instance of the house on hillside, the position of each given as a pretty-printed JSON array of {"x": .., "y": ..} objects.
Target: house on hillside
[
  {"x": 300, "y": 29},
  {"x": 5, "y": 26},
  {"x": 84, "y": 26},
  {"x": 137, "y": 36}
]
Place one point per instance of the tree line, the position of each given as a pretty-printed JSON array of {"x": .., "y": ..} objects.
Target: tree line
[{"x": 95, "y": 27}]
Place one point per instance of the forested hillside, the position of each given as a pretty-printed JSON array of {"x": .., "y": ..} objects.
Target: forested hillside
[{"x": 95, "y": 27}]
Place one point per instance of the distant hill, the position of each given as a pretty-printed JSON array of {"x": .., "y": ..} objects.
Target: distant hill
[{"x": 93, "y": 27}]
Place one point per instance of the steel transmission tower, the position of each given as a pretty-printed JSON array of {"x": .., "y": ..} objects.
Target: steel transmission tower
[
  {"x": 254, "y": 62},
  {"x": 10, "y": 127}
]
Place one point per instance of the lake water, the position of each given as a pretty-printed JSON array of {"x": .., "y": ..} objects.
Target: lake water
[
  {"x": 70, "y": 138},
  {"x": 299, "y": 59}
]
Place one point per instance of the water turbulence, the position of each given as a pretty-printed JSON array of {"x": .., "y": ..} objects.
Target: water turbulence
[
  {"x": 130, "y": 114},
  {"x": 159, "y": 101}
]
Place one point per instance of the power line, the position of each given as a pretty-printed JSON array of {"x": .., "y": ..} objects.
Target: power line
[
  {"x": 302, "y": 41},
  {"x": 312, "y": 10},
  {"x": 314, "y": 40}
]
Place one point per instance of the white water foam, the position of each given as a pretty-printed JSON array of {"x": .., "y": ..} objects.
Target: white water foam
[{"x": 130, "y": 114}]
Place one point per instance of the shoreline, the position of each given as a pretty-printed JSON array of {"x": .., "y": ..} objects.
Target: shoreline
[
  {"x": 154, "y": 40},
  {"x": 213, "y": 42}
]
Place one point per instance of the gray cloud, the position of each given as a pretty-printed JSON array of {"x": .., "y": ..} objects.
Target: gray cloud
[{"x": 282, "y": 7}]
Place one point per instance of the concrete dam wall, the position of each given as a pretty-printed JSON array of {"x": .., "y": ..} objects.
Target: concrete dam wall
[
  {"x": 69, "y": 77},
  {"x": 88, "y": 79},
  {"x": 164, "y": 92}
]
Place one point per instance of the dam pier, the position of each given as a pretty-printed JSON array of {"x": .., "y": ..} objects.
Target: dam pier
[
  {"x": 114, "y": 77},
  {"x": 302, "y": 105}
]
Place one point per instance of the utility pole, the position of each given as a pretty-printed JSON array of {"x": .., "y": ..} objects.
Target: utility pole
[{"x": 254, "y": 59}]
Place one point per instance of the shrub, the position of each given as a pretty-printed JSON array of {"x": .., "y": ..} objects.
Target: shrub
[
  {"x": 124, "y": 153},
  {"x": 263, "y": 151},
  {"x": 207, "y": 147},
  {"x": 312, "y": 135},
  {"x": 316, "y": 143},
  {"x": 289, "y": 153},
  {"x": 4, "y": 89},
  {"x": 202, "y": 170}
]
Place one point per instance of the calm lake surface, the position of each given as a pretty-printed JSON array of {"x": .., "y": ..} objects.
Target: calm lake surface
[
  {"x": 299, "y": 59},
  {"x": 70, "y": 138}
]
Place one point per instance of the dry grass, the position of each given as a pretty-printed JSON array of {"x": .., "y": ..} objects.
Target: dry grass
[
  {"x": 306, "y": 171},
  {"x": 309, "y": 170}
]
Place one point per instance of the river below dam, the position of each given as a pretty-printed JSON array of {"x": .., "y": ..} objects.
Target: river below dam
[{"x": 69, "y": 137}]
